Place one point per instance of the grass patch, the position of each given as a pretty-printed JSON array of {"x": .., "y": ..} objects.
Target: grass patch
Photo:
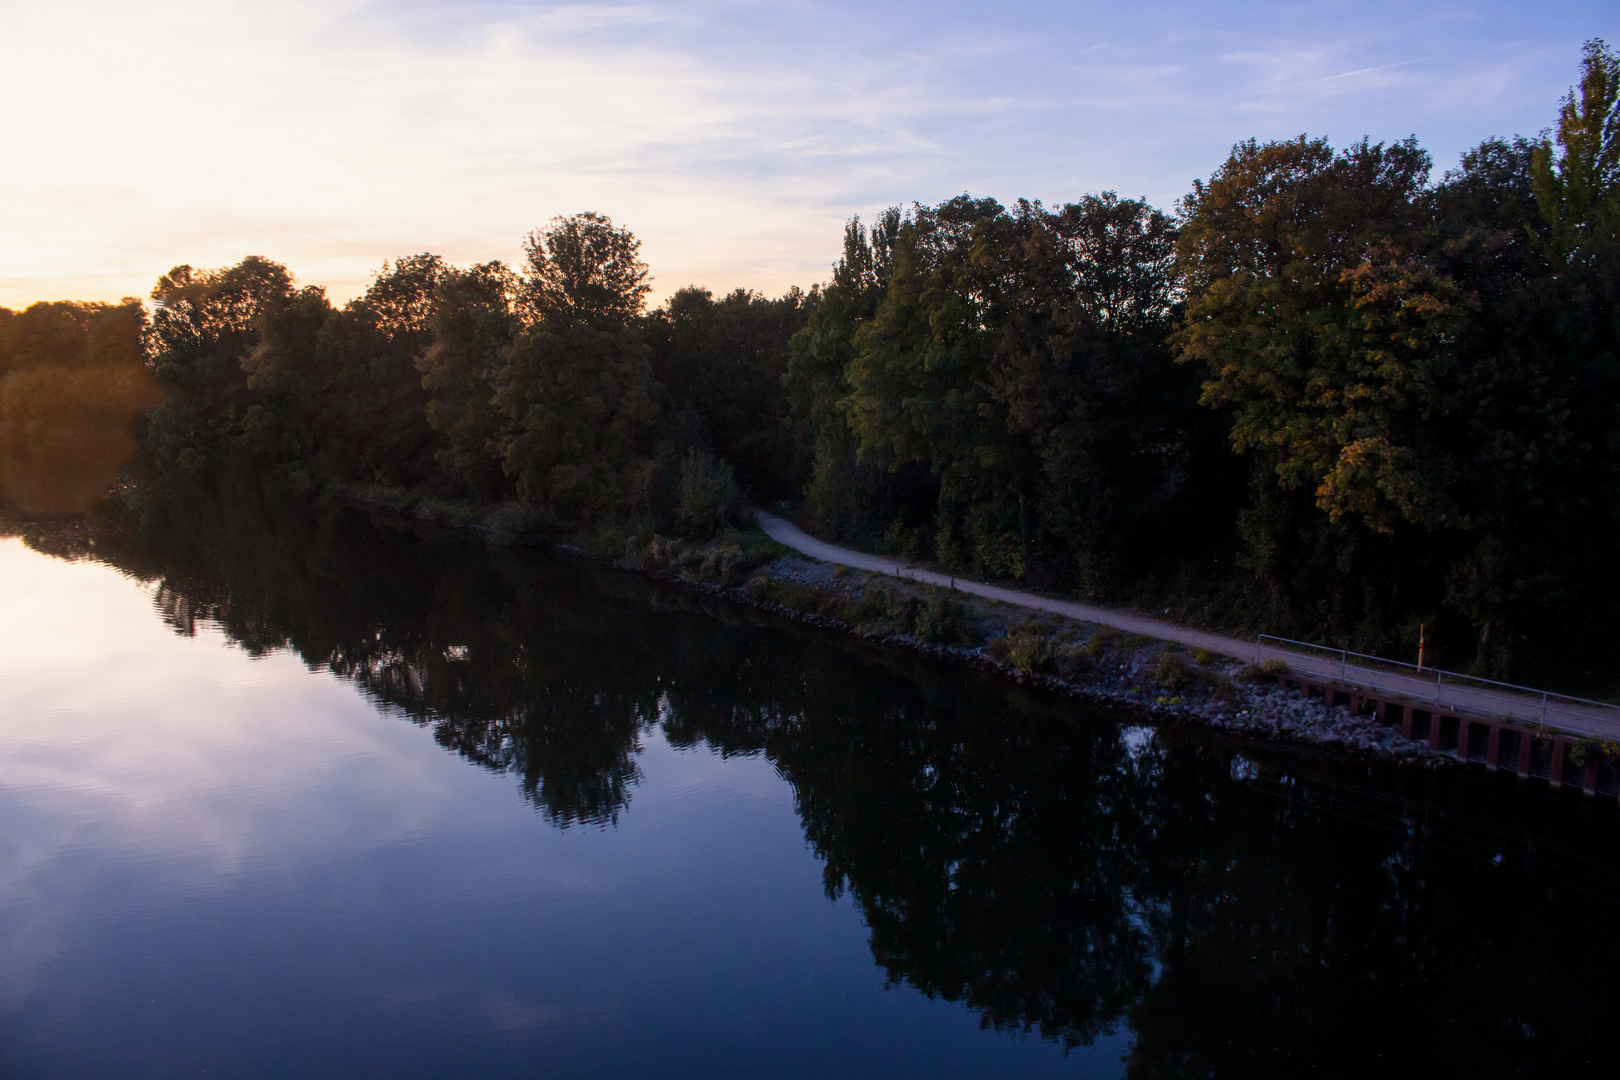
[{"x": 727, "y": 561}]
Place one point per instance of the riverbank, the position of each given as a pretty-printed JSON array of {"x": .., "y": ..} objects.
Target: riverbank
[
  {"x": 1171, "y": 681},
  {"x": 1161, "y": 680}
]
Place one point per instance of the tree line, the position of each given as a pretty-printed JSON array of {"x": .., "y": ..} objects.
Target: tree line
[
  {"x": 72, "y": 381},
  {"x": 1330, "y": 396}
]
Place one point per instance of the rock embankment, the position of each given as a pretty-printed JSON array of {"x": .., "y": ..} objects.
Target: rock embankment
[{"x": 1065, "y": 656}]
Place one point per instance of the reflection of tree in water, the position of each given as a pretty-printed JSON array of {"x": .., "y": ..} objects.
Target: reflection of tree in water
[
  {"x": 993, "y": 862},
  {"x": 510, "y": 661},
  {"x": 1054, "y": 877}
]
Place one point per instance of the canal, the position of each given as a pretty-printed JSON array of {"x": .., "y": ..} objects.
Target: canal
[{"x": 306, "y": 791}]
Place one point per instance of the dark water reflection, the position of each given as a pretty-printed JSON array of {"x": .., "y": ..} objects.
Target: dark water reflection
[{"x": 1054, "y": 871}]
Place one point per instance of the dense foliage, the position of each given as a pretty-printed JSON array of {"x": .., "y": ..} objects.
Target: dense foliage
[
  {"x": 72, "y": 381},
  {"x": 1330, "y": 397}
]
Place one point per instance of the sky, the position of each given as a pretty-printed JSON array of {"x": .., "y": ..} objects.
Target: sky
[{"x": 733, "y": 137}]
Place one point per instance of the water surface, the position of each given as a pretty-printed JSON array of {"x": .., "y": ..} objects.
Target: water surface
[{"x": 292, "y": 791}]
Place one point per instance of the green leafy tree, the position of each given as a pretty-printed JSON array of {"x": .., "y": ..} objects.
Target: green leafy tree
[
  {"x": 378, "y": 411},
  {"x": 72, "y": 385},
  {"x": 582, "y": 269},
  {"x": 722, "y": 363},
  {"x": 472, "y": 324},
  {"x": 1283, "y": 313},
  {"x": 919, "y": 377},
  {"x": 576, "y": 386},
  {"x": 205, "y": 324},
  {"x": 1578, "y": 186},
  {"x": 1084, "y": 375},
  {"x": 848, "y": 498}
]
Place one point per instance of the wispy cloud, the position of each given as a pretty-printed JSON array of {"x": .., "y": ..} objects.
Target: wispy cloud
[
  {"x": 1370, "y": 70},
  {"x": 733, "y": 136}
]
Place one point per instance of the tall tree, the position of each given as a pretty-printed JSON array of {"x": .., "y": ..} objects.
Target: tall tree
[
  {"x": 576, "y": 386},
  {"x": 1297, "y": 264},
  {"x": 205, "y": 323},
  {"x": 1084, "y": 374},
  {"x": 722, "y": 363},
  {"x": 582, "y": 269},
  {"x": 373, "y": 344},
  {"x": 849, "y": 498},
  {"x": 472, "y": 326}
]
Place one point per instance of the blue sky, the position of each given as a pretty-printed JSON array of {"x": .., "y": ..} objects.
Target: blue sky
[{"x": 733, "y": 137}]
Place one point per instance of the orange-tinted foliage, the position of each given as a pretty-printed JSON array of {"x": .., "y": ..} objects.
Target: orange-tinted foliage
[{"x": 72, "y": 383}]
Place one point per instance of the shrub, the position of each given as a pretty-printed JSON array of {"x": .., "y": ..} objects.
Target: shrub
[
  {"x": 870, "y": 607},
  {"x": 944, "y": 621},
  {"x": 709, "y": 499},
  {"x": 1273, "y": 666},
  {"x": 1169, "y": 670},
  {"x": 726, "y": 562},
  {"x": 1075, "y": 662},
  {"x": 1037, "y": 624},
  {"x": 1025, "y": 651},
  {"x": 811, "y": 599},
  {"x": 1033, "y": 652},
  {"x": 1098, "y": 643},
  {"x": 1203, "y": 656},
  {"x": 879, "y": 611}
]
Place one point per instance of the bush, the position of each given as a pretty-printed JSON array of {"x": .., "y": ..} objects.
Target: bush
[
  {"x": 879, "y": 611},
  {"x": 1098, "y": 643},
  {"x": 1025, "y": 651},
  {"x": 810, "y": 599},
  {"x": 1169, "y": 670},
  {"x": 1203, "y": 656},
  {"x": 1075, "y": 662},
  {"x": 518, "y": 523},
  {"x": 1037, "y": 624},
  {"x": 710, "y": 501},
  {"x": 726, "y": 562},
  {"x": 1273, "y": 666},
  {"x": 944, "y": 621}
]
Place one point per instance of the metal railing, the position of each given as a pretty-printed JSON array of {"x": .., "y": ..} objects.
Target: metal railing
[{"x": 1447, "y": 689}]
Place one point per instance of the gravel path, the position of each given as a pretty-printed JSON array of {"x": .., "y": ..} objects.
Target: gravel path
[
  {"x": 1587, "y": 719},
  {"x": 785, "y": 532}
]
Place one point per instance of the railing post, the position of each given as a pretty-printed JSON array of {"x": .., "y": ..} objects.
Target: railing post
[
  {"x": 1437, "y": 675},
  {"x": 1544, "y": 710},
  {"x": 1344, "y": 664}
]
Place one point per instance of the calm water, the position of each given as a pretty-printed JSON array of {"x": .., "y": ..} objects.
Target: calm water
[{"x": 294, "y": 792}]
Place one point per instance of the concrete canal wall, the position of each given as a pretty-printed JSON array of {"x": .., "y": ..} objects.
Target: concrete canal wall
[{"x": 1525, "y": 750}]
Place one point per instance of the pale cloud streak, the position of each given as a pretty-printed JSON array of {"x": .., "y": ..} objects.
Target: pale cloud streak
[{"x": 734, "y": 138}]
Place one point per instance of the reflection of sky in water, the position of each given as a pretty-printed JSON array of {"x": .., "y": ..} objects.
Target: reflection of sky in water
[
  {"x": 1138, "y": 741},
  {"x": 214, "y": 862}
]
